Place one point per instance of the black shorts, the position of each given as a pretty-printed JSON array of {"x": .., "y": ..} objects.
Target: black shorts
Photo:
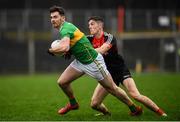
[
  {"x": 117, "y": 68},
  {"x": 120, "y": 73}
]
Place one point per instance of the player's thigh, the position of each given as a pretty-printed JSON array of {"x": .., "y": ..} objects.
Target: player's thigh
[
  {"x": 108, "y": 82},
  {"x": 99, "y": 94},
  {"x": 69, "y": 75},
  {"x": 131, "y": 86}
]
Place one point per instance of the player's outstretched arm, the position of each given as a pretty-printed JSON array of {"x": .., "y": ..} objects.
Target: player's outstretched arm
[{"x": 104, "y": 48}]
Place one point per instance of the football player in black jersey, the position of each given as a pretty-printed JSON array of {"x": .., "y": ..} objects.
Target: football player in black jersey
[{"x": 106, "y": 44}]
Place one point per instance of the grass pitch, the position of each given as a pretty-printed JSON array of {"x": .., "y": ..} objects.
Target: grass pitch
[{"x": 38, "y": 97}]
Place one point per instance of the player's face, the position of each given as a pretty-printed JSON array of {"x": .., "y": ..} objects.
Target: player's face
[
  {"x": 94, "y": 27},
  {"x": 56, "y": 19}
]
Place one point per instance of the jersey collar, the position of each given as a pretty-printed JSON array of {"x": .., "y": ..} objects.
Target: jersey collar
[{"x": 61, "y": 26}]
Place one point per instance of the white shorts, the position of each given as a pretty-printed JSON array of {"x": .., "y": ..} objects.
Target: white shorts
[{"x": 97, "y": 69}]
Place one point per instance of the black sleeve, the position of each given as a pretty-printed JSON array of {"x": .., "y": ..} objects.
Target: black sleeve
[
  {"x": 114, "y": 41},
  {"x": 110, "y": 39}
]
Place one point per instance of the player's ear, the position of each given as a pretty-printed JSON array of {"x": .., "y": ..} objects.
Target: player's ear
[
  {"x": 100, "y": 24},
  {"x": 63, "y": 17}
]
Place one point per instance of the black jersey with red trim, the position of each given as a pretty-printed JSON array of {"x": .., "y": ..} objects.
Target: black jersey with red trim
[
  {"x": 112, "y": 59},
  {"x": 114, "y": 62}
]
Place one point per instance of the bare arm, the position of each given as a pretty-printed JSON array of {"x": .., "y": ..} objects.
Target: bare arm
[
  {"x": 104, "y": 48},
  {"x": 63, "y": 47}
]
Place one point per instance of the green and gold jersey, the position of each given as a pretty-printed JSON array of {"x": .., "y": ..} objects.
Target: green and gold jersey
[{"x": 80, "y": 46}]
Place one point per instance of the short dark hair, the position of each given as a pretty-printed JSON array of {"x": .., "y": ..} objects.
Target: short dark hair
[
  {"x": 58, "y": 9},
  {"x": 96, "y": 18}
]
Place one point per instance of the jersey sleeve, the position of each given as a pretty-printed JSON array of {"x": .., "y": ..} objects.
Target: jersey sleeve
[
  {"x": 110, "y": 39},
  {"x": 65, "y": 33},
  {"x": 68, "y": 30}
]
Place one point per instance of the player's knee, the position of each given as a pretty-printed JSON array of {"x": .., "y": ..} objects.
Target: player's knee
[
  {"x": 61, "y": 83},
  {"x": 94, "y": 104}
]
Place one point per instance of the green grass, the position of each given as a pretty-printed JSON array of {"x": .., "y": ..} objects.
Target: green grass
[{"x": 38, "y": 97}]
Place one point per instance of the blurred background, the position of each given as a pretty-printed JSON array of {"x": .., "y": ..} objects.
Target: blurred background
[{"x": 148, "y": 33}]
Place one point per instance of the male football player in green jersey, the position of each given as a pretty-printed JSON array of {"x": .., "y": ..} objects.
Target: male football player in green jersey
[{"x": 87, "y": 60}]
